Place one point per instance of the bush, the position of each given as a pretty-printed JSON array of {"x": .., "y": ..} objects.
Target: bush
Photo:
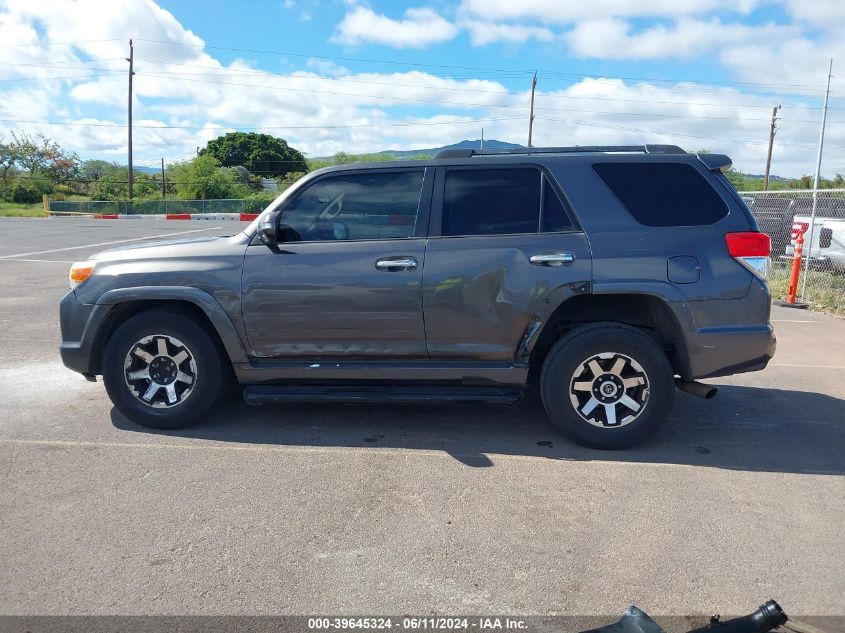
[
  {"x": 203, "y": 179},
  {"x": 257, "y": 202},
  {"x": 24, "y": 192}
]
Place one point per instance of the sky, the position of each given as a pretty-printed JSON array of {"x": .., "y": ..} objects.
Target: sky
[{"x": 368, "y": 75}]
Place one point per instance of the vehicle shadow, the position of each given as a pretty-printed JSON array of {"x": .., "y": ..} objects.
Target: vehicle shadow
[{"x": 744, "y": 428}]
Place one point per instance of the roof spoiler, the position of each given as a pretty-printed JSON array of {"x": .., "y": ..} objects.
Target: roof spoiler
[{"x": 716, "y": 162}]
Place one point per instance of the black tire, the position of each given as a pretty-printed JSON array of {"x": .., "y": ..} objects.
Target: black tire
[
  {"x": 645, "y": 365},
  {"x": 204, "y": 354}
]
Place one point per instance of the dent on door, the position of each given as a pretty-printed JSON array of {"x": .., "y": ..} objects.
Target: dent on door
[{"x": 481, "y": 295}]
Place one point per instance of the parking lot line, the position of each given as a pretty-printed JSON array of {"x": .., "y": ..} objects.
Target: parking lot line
[
  {"x": 37, "y": 261},
  {"x": 134, "y": 239}
]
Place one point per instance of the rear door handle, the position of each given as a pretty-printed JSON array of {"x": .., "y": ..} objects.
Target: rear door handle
[
  {"x": 396, "y": 264},
  {"x": 552, "y": 259}
]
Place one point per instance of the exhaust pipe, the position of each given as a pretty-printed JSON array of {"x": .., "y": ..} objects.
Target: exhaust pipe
[{"x": 696, "y": 388}]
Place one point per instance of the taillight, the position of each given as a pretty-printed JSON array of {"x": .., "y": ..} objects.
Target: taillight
[{"x": 752, "y": 250}]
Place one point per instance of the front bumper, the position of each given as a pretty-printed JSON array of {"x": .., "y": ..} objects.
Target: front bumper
[{"x": 79, "y": 323}]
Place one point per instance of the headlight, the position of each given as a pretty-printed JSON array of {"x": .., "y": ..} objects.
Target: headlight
[{"x": 79, "y": 272}]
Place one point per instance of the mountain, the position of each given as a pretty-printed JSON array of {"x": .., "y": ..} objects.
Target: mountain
[
  {"x": 142, "y": 169},
  {"x": 409, "y": 153},
  {"x": 465, "y": 144}
]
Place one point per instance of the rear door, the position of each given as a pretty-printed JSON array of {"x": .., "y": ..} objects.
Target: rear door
[
  {"x": 345, "y": 280},
  {"x": 504, "y": 250}
]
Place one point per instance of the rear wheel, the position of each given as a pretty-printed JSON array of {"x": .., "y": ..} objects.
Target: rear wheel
[
  {"x": 163, "y": 370},
  {"x": 607, "y": 386}
]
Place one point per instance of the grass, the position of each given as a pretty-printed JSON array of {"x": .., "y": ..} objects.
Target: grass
[
  {"x": 825, "y": 291},
  {"x": 15, "y": 210}
]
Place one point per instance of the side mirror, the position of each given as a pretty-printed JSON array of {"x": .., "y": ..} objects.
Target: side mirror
[{"x": 267, "y": 230}]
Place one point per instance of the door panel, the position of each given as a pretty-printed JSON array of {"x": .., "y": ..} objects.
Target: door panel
[
  {"x": 328, "y": 299},
  {"x": 481, "y": 294},
  {"x": 346, "y": 281}
]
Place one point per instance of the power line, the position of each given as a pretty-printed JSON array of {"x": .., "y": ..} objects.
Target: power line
[
  {"x": 223, "y": 72},
  {"x": 74, "y": 43},
  {"x": 549, "y": 73},
  {"x": 228, "y": 71},
  {"x": 454, "y": 104},
  {"x": 261, "y": 127},
  {"x": 109, "y": 73},
  {"x": 665, "y": 133}
]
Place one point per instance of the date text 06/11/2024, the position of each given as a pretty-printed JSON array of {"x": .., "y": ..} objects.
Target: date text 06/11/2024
[{"x": 409, "y": 623}]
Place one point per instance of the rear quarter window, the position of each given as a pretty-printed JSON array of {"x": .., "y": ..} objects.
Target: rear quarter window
[{"x": 663, "y": 194}]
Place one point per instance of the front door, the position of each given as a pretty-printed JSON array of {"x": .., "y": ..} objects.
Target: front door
[{"x": 345, "y": 279}]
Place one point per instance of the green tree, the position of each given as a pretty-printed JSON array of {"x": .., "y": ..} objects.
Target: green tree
[
  {"x": 110, "y": 186},
  {"x": 261, "y": 154},
  {"x": 203, "y": 178},
  {"x": 96, "y": 169},
  {"x": 63, "y": 167},
  {"x": 8, "y": 158},
  {"x": 35, "y": 153}
]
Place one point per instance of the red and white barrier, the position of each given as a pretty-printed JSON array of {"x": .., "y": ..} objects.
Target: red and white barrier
[{"x": 212, "y": 217}]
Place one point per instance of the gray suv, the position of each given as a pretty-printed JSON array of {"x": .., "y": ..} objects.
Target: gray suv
[{"x": 606, "y": 276}]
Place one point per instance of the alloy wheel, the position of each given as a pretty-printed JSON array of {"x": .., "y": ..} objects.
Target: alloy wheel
[
  {"x": 609, "y": 390},
  {"x": 160, "y": 371}
]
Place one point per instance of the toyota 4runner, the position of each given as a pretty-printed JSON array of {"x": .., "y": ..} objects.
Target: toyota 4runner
[{"x": 606, "y": 275}]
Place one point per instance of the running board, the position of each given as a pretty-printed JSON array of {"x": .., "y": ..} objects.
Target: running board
[{"x": 255, "y": 395}]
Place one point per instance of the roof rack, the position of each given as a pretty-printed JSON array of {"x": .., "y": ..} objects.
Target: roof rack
[{"x": 577, "y": 149}]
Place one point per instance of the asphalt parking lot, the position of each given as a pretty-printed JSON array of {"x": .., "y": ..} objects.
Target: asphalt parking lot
[{"x": 358, "y": 509}]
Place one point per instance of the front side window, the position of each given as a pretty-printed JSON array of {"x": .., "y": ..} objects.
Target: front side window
[{"x": 363, "y": 206}]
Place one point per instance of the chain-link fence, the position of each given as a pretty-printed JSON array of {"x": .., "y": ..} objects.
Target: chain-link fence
[
  {"x": 823, "y": 265},
  {"x": 157, "y": 207}
]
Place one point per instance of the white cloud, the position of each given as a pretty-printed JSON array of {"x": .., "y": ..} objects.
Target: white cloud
[
  {"x": 482, "y": 32},
  {"x": 824, "y": 13},
  {"x": 192, "y": 97},
  {"x": 565, "y": 11},
  {"x": 611, "y": 38},
  {"x": 419, "y": 27}
]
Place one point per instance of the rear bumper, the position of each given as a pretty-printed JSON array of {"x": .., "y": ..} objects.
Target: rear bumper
[
  {"x": 727, "y": 336},
  {"x": 730, "y": 350}
]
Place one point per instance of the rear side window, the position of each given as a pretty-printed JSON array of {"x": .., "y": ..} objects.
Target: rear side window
[
  {"x": 555, "y": 217},
  {"x": 510, "y": 200},
  {"x": 491, "y": 201},
  {"x": 663, "y": 194}
]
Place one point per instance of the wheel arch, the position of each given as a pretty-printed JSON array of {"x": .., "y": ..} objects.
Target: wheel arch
[
  {"x": 119, "y": 305},
  {"x": 647, "y": 313}
]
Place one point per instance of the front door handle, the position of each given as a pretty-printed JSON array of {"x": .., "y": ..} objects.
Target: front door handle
[
  {"x": 396, "y": 264},
  {"x": 552, "y": 259}
]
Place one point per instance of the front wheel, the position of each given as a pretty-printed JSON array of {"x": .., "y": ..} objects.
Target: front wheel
[
  {"x": 162, "y": 370},
  {"x": 607, "y": 386}
]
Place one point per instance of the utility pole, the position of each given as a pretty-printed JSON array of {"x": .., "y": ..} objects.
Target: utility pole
[
  {"x": 809, "y": 241},
  {"x": 482, "y": 139},
  {"x": 531, "y": 116},
  {"x": 130, "y": 59},
  {"x": 772, "y": 132},
  {"x": 163, "y": 181}
]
